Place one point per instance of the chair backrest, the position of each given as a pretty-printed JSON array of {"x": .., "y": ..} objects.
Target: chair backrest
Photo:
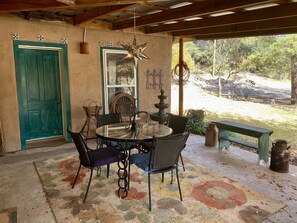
[
  {"x": 124, "y": 104},
  {"x": 81, "y": 147},
  {"x": 177, "y": 123},
  {"x": 141, "y": 118},
  {"x": 166, "y": 151},
  {"x": 106, "y": 119}
]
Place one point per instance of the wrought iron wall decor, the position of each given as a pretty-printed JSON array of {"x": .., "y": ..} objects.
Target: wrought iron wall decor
[{"x": 154, "y": 79}]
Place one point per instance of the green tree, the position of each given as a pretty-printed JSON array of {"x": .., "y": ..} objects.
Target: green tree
[{"x": 187, "y": 56}]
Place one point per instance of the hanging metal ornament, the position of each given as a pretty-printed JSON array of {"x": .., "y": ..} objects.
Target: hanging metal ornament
[{"x": 135, "y": 51}]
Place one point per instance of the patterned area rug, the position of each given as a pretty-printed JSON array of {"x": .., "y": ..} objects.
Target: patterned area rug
[{"x": 207, "y": 196}]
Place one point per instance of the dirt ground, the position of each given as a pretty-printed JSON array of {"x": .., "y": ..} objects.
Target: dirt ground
[{"x": 250, "y": 96}]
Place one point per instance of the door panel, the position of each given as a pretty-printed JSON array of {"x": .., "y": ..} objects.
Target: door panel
[{"x": 41, "y": 93}]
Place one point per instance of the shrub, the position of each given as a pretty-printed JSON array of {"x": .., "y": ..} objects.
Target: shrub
[{"x": 196, "y": 127}]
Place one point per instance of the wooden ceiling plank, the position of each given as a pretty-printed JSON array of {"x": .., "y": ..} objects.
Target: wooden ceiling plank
[
  {"x": 252, "y": 26},
  {"x": 97, "y": 12},
  {"x": 196, "y": 9},
  {"x": 213, "y": 36},
  {"x": 240, "y": 17}
]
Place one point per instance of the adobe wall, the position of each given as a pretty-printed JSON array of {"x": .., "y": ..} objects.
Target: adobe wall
[{"x": 84, "y": 69}]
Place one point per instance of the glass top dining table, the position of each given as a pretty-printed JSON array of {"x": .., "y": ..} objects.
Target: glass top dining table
[
  {"x": 124, "y": 139},
  {"x": 123, "y": 132}
]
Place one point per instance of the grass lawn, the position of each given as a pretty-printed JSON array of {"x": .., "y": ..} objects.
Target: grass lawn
[{"x": 282, "y": 119}]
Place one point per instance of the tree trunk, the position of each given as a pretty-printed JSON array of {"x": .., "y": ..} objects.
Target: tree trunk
[{"x": 293, "y": 79}]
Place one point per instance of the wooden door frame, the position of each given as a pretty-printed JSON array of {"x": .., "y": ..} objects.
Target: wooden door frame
[{"x": 64, "y": 82}]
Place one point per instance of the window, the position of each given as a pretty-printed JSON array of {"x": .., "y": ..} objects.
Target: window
[{"x": 118, "y": 74}]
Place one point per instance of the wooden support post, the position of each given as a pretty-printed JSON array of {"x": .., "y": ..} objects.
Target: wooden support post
[
  {"x": 180, "y": 80},
  {"x": 293, "y": 79}
]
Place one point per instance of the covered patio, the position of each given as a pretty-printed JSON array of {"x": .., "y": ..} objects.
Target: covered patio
[
  {"x": 85, "y": 32},
  {"x": 80, "y": 31}
]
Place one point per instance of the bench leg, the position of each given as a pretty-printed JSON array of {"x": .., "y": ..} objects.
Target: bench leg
[
  {"x": 263, "y": 148},
  {"x": 223, "y": 143}
]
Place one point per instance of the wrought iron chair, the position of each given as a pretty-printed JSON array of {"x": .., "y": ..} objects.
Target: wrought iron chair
[
  {"x": 163, "y": 157},
  {"x": 125, "y": 104},
  {"x": 178, "y": 125},
  {"x": 106, "y": 119},
  {"x": 92, "y": 159}
]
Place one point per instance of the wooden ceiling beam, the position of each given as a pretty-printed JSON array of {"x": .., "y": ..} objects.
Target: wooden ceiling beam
[
  {"x": 246, "y": 27},
  {"x": 280, "y": 11},
  {"x": 18, "y": 5},
  {"x": 98, "y": 12},
  {"x": 33, "y": 5},
  {"x": 204, "y": 7},
  {"x": 213, "y": 36}
]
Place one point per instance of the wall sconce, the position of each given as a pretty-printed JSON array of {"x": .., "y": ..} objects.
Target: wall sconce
[{"x": 84, "y": 46}]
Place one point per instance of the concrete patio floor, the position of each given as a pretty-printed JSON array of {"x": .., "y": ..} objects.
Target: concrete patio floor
[{"x": 20, "y": 186}]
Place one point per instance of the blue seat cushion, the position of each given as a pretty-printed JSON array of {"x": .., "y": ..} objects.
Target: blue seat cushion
[
  {"x": 141, "y": 160},
  {"x": 104, "y": 156}
]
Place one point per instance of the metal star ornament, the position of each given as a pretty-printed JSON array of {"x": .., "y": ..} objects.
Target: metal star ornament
[{"x": 135, "y": 51}]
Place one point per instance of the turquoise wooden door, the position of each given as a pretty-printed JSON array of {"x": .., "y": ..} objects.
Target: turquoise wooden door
[{"x": 39, "y": 84}]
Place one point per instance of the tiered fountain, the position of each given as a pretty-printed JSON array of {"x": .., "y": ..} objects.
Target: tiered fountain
[{"x": 161, "y": 116}]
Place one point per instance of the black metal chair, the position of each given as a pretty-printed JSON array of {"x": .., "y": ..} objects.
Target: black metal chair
[
  {"x": 163, "y": 157},
  {"x": 178, "y": 125},
  {"x": 107, "y": 119},
  {"x": 92, "y": 159}
]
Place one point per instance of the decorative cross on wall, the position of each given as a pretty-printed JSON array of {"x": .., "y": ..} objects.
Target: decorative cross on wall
[{"x": 154, "y": 79}]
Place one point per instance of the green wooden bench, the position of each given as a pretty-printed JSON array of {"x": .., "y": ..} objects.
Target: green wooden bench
[{"x": 226, "y": 127}]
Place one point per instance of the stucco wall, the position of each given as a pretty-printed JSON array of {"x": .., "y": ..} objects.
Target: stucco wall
[{"x": 84, "y": 69}]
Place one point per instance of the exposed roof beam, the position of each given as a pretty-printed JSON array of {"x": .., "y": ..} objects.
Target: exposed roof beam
[
  {"x": 33, "y": 5},
  {"x": 252, "y": 26},
  {"x": 280, "y": 11},
  {"x": 245, "y": 34},
  {"x": 199, "y": 8},
  {"x": 19, "y": 5},
  {"x": 97, "y": 13}
]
